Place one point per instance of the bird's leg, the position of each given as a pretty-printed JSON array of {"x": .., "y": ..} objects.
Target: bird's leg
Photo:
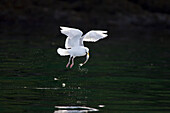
[
  {"x": 68, "y": 62},
  {"x": 72, "y": 62},
  {"x": 87, "y": 58}
]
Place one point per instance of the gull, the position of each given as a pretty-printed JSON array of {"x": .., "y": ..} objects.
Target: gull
[{"x": 74, "y": 46}]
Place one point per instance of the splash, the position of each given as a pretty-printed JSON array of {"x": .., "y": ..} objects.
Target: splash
[{"x": 85, "y": 70}]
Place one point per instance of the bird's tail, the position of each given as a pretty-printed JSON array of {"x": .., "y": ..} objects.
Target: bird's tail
[{"x": 62, "y": 52}]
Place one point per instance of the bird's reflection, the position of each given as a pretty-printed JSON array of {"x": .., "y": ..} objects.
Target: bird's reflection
[
  {"x": 71, "y": 111},
  {"x": 74, "y": 109}
]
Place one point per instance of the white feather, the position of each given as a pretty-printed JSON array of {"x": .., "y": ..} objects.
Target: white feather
[
  {"x": 73, "y": 38},
  {"x": 62, "y": 52},
  {"x": 94, "y": 35}
]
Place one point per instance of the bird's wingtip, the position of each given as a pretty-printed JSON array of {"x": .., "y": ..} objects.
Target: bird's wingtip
[
  {"x": 62, "y": 27},
  {"x": 65, "y": 28},
  {"x": 104, "y": 32},
  {"x": 104, "y": 35}
]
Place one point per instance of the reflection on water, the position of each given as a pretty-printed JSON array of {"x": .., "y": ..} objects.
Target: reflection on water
[
  {"x": 74, "y": 109},
  {"x": 71, "y": 111}
]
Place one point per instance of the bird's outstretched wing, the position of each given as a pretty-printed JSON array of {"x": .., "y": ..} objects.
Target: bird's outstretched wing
[
  {"x": 73, "y": 36},
  {"x": 94, "y": 35}
]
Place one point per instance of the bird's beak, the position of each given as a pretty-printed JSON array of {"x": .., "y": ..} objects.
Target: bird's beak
[
  {"x": 88, "y": 54},
  {"x": 87, "y": 57}
]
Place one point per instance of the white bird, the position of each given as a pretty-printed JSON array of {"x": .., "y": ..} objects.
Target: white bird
[{"x": 74, "y": 43}]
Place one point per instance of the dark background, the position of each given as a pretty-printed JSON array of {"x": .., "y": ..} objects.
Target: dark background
[
  {"x": 127, "y": 72},
  {"x": 43, "y": 17}
]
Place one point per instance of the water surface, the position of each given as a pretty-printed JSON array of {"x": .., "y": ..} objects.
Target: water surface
[{"x": 125, "y": 73}]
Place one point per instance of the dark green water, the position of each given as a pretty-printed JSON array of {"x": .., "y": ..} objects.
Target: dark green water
[{"x": 126, "y": 73}]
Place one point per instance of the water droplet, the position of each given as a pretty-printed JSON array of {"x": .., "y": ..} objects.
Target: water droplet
[
  {"x": 78, "y": 102},
  {"x": 56, "y": 79},
  {"x": 63, "y": 84},
  {"x": 101, "y": 106}
]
